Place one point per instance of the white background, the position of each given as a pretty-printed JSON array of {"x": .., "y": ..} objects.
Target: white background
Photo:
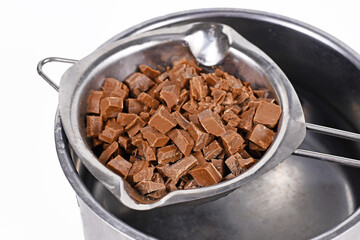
[{"x": 36, "y": 200}]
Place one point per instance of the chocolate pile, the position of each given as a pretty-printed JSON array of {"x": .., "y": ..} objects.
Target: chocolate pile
[{"x": 179, "y": 129}]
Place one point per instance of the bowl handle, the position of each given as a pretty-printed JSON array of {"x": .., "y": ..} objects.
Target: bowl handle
[{"x": 52, "y": 59}]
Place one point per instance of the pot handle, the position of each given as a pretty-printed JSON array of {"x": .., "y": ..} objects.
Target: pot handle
[{"x": 52, "y": 59}]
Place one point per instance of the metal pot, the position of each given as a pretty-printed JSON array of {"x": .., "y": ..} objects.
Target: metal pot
[{"x": 300, "y": 198}]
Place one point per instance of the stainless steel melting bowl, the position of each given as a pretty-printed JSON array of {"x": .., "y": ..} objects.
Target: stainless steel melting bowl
[{"x": 298, "y": 199}]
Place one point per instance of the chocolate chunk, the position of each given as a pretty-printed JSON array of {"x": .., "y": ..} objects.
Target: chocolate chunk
[
  {"x": 154, "y": 137},
  {"x": 149, "y": 152},
  {"x": 199, "y": 87},
  {"x": 124, "y": 119},
  {"x": 178, "y": 169},
  {"x": 262, "y": 136},
  {"x": 119, "y": 166},
  {"x": 181, "y": 120},
  {"x": 234, "y": 165},
  {"x": 94, "y": 125},
  {"x": 232, "y": 142},
  {"x": 111, "y": 107},
  {"x": 191, "y": 107},
  {"x": 134, "y": 127},
  {"x": 246, "y": 120},
  {"x": 120, "y": 91},
  {"x": 94, "y": 102},
  {"x": 105, "y": 155},
  {"x": 170, "y": 94},
  {"x": 162, "y": 120},
  {"x": 199, "y": 135},
  {"x": 205, "y": 175},
  {"x": 190, "y": 185},
  {"x": 182, "y": 140},
  {"x": 148, "y": 100},
  {"x": 134, "y": 106},
  {"x": 200, "y": 158},
  {"x": 219, "y": 164},
  {"x": 228, "y": 177},
  {"x": 109, "y": 135},
  {"x": 138, "y": 83},
  {"x": 218, "y": 95},
  {"x": 136, "y": 167},
  {"x": 148, "y": 71},
  {"x": 124, "y": 142},
  {"x": 211, "y": 79},
  {"x": 145, "y": 174},
  {"x": 211, "y": 122},
  {"x": 267, "y": 114},
  {"x": 168, "y": 154},
  {"x": 212, "y": 150},
  {"x": 145, "y": 187},
  {"x": 230, "y": 116}
]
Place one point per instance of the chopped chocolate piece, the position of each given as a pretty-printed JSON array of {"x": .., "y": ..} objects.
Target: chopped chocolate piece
[
  {"x": 124, "y": 142},
  {"x": 181, "y": 120},
  {"x": 148, "y": 100},
  {"x": 232, "y": 142},
  {"x": 190, "y": 184},
  {"x": 161, "y": 78},
  {"x": 253, "y": 146},
  {"x": 144, "y": 174},
  {"x": 211, "y": 122},
  {"x": 228, "y": 177},
  {"x": 201, "y": 137},
  {"x": 148, "y": 71},
  {"x": 121, "y": 91},
  {"x": 94, "y": 102},
  {"x": 136, "y": 167},
  {"x": 267, "y": 114},
  {"x": 154, "y": 137},
  {"x": 194, "y": 119},
  {"x": 148, "y": 151},
  {"x": 170, "y": 185},
  {"x": 246, "y": 120},
  {"x": 211, "y": 79},
  {"x": 126, "y": 118},
  {"x": 157, "y": 178},
  {"x": 246, "y": 162},
  {"x": 234, "y": 165},
  {"x": 218, "y": 72},
  {"x": 134, "y": 127},
  {"x": 110, "y": 84},
  {"x": 199, "y": 157},
  {"x": 157, "y": 194},
  {"x": 199, "y": 86},
  {"x": 105, "y": 155},
  {"x": 94, "y": 126},
  {"x": 119, "y": 166},
  {"x": 109, "y": 135},
  {"x": 168, "y": 154},
  {"x": 178, "y": 169},
  {"x": 134, "y": 106},
  {"x": 96, "y": 142},
  {"x": 182, "y": 140},
  {"x": 162, "y": 120},
  {"x": 110, "y": 107},
  {"x": 261, "y": 136},
  {"x": 145, "y": 187},
  {"x": 186, "y": 61},
  {"x": 219, "y": 164},
  {"x": 212, "y": 150},
  {"x": 139, "y": 82},
  {"x": 170, "y": 94},
  {"x": 218, "y": 95},
  {"x": 205, "y": 175},
  {"x": 191, "y": 107},
  {"x": 230, "y": 116},
  {"x": 145, "y": 116}
]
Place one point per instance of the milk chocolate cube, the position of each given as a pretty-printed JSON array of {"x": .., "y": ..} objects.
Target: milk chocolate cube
[
  {"x": 125, "y": 119},
  {"x": 145, "y": 187},
  {"x": 205, "y": 175},
  {"x": 181, "y": 120},
  {"x": 267, "y": 114},
  {"x": 148, "y": 71},
  {"x": 124, "y": 142},
  {"x": 134, "y": 106},
  {"x": 139, "y": 82},
  {"x": 144, "y": 174},
  {"x": 178, "y": 169},
  {"x": 262, "y": 136},
  {"x": 149, "y": 152},
  {"x": 94, "y": 125},
  {"x": 106, "y": 154},
  {"x": 162, "y": 120},
  {"x": 136, "y": 167},
  {"x": 211, "y": 122},
  {"x": 199, "y": 157},
  {"x": 232, "y": 141},
  {"x": 109, "y": 135},
  {"x": 134, "y": 127},
  {"x": 119, "y": 166},
  {"x": 154, "y": 137},
  {"x": 212, "y": 150},
  {"x": 110, "y": 84},
  {"x": 246, "y": 120},
  {"x": 201, "y": 137},
  {"x": 234, "y": 165},
  {"x": 168, "y": 154},
  {"x": 147, "y": 100},
  {"x": 182, "y": 140},
  {"x": 111, "y": 107},
  {"x": 94, "y": 102},
  {"x": 170, "y": 94},
  {"x": 219, "y": 164}
]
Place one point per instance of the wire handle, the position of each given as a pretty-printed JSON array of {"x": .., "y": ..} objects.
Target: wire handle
[
  {"x": 52, "y": 59},
  {"x": 328, "y": 157}
]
